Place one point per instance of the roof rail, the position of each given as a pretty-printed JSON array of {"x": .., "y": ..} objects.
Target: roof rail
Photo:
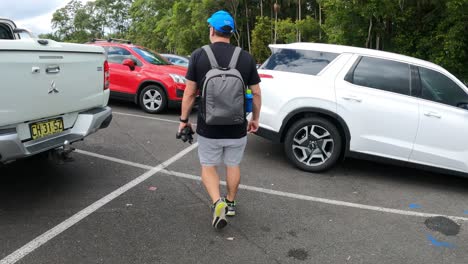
[
  {"x": 96, "y": 40},
  {"x": 119, "y": 40},
  {"x": 111, "y": 40}
]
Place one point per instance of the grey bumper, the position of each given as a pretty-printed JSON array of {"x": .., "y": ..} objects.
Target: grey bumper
[{"x": 12, "y": 148}]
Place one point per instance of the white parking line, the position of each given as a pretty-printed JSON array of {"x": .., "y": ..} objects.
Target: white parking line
[
  {"x": 42, "y": 239},
  {"x": 300, "y": 196},
  {"x": 125, "y": 162}
]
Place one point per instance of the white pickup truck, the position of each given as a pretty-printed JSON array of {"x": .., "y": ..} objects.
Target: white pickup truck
[{"x": 51, "y": 94}]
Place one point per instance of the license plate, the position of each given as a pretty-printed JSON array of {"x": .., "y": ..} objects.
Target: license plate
[{"x": 46, "y": 128}]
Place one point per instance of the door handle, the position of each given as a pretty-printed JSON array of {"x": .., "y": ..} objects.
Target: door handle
[
  {"x": 352, "y": 98},
  {"x": 433, "y": 114},
  {"x": 53, "y": 69}
]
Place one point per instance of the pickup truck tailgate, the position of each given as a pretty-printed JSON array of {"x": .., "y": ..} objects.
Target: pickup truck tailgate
[{"x": 39, "y": 81}]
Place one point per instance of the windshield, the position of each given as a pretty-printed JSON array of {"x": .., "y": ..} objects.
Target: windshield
[{"x": 151, "y": 57}]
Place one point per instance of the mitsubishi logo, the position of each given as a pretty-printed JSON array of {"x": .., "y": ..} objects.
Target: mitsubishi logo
[{"x": 52, "y": 88}]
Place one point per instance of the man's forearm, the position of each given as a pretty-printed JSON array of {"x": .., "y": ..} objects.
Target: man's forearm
[
  {"x": 257, "y": 102},
  {"x": 190, "y": 94},
  {"x": 187, "y": 104}
]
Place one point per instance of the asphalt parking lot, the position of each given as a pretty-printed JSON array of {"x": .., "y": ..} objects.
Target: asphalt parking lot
[{"x": 133, "y": 195}]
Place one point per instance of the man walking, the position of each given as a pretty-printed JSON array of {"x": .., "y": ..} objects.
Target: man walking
[{"x": 219, "y": 143}]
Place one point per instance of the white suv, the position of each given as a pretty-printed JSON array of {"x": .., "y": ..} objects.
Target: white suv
[{"x": 326, "y": 102}]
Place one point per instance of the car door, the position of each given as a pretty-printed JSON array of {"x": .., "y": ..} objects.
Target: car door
[
  {"x": 374, "y": 99},
  {"x": 442, "y": 138},
  {"x": 122, "y": 78}
]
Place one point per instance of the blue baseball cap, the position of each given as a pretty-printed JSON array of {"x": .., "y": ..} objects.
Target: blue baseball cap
[{"x": 221, "y": 21}]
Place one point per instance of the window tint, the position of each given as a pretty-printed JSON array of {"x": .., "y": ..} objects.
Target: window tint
[
  {"x": 299, "y": 61},
  {"x": 381, "y": 74},
  {"x": 179, "y": 62},
  {"x": 118, "y": 55},
  {"x": 151, "y": 57},
  {"x": 439, "y": 88},
  {"x": 5, "y": 33}
]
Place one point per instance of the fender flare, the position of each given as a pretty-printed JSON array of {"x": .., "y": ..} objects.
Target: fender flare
[{"x": 343, "y": 127}]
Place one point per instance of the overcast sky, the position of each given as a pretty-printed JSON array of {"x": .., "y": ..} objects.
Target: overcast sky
[{"x": 34, "y": 15}]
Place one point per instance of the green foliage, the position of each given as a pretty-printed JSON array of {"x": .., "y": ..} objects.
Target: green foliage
[
  {"x": 51, "y": 36},
  {"x": 261, "y": 37},
  {"x": 79, "y": 23},
  {"x": 309, "y": 28},
  {"x": 433, "y": 30},
  {"x": 286, "y": 30}
]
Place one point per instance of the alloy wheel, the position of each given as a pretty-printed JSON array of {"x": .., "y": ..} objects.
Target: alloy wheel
[
  {"x": 313, "y": 145},
  {"x": 152, "y": 100}
]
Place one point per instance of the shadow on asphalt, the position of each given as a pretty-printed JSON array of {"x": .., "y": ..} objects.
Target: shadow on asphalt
[
  {"x": 33, "y": 181},
  {"x": 367, "y": 170},
  {"x": 364, "y": 170}
]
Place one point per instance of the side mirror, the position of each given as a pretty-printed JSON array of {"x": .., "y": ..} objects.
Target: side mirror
[
  {"x": 130, "y": 63},
  {"x": 463, "y": 105}
]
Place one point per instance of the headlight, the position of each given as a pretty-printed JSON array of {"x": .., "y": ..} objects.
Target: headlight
[{"x": 178, "y": 78}]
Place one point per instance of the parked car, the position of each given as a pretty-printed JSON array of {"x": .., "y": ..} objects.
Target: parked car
[
  {"x": 325, "y": 102},
  {"x": 52, "y": 94},
  {"x": 177, "y": 60},
  {"x": 142, "y": 76}
]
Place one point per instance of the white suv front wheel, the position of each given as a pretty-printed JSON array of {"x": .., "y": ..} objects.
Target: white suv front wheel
[{"x": 313, "y": 144}]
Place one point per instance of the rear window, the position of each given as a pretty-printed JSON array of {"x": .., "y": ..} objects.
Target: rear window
[
  {"x": 299, "y": 61},
  {"x": 5, "y": 32}
]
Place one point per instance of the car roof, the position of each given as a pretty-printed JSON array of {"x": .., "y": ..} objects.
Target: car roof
[
  {"x": 355, "y": 50},
  {"x": 107, "y": 43}
]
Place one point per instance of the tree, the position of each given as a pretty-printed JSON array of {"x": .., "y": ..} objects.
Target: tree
[
  {"x": 433, "y": 30},
  {"x": 78, "y": 23},
  {"x": 261, "y": 38}
]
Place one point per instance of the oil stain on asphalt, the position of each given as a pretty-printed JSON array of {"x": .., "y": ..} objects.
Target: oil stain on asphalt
[
  {"x": 299, "y": 254},
  {"x": 292, "y": 233},
  {"x": 443, "y": 225}
]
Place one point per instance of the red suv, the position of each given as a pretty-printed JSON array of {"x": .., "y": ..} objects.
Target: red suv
[{"x": 143, "y": 76}]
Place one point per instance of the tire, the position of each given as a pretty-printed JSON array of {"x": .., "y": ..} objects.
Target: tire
[
  {"x": 153, "y": 99},
  {"x": 313, "y": 153}
]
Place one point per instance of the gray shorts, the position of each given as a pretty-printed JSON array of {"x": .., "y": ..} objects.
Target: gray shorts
[{"x": 213, "y": 152}]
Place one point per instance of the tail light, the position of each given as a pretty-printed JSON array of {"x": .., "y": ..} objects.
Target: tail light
[
  {"x": 265, "y": 76},
  {"x": 106, "y": 75}
]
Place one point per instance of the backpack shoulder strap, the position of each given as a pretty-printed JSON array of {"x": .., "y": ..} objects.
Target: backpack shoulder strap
[
  {"x": 235, "y": 58},
  {"x": 211, "y": 56}
]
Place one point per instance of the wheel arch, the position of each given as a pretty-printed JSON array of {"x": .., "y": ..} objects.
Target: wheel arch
[
  {"x": 336, "y": 120},
  {"x": 145, "y": 84}
]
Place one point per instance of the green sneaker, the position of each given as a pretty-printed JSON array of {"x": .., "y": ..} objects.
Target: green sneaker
[
  {"x": 220, "y": 209},
  {"x": 231, "y": 207}
]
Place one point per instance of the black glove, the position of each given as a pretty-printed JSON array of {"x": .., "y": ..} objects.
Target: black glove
[{"x": 186, "y": 134}]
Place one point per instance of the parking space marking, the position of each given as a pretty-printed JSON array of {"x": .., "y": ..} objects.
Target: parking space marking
[
  {"x": 320, "y": 200},
  {"x": 146, "y": 117},
  {"x": 42, "y": 239},
  {"x": 121, "y": 161},
  {"x": 304, "y": 197}
]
